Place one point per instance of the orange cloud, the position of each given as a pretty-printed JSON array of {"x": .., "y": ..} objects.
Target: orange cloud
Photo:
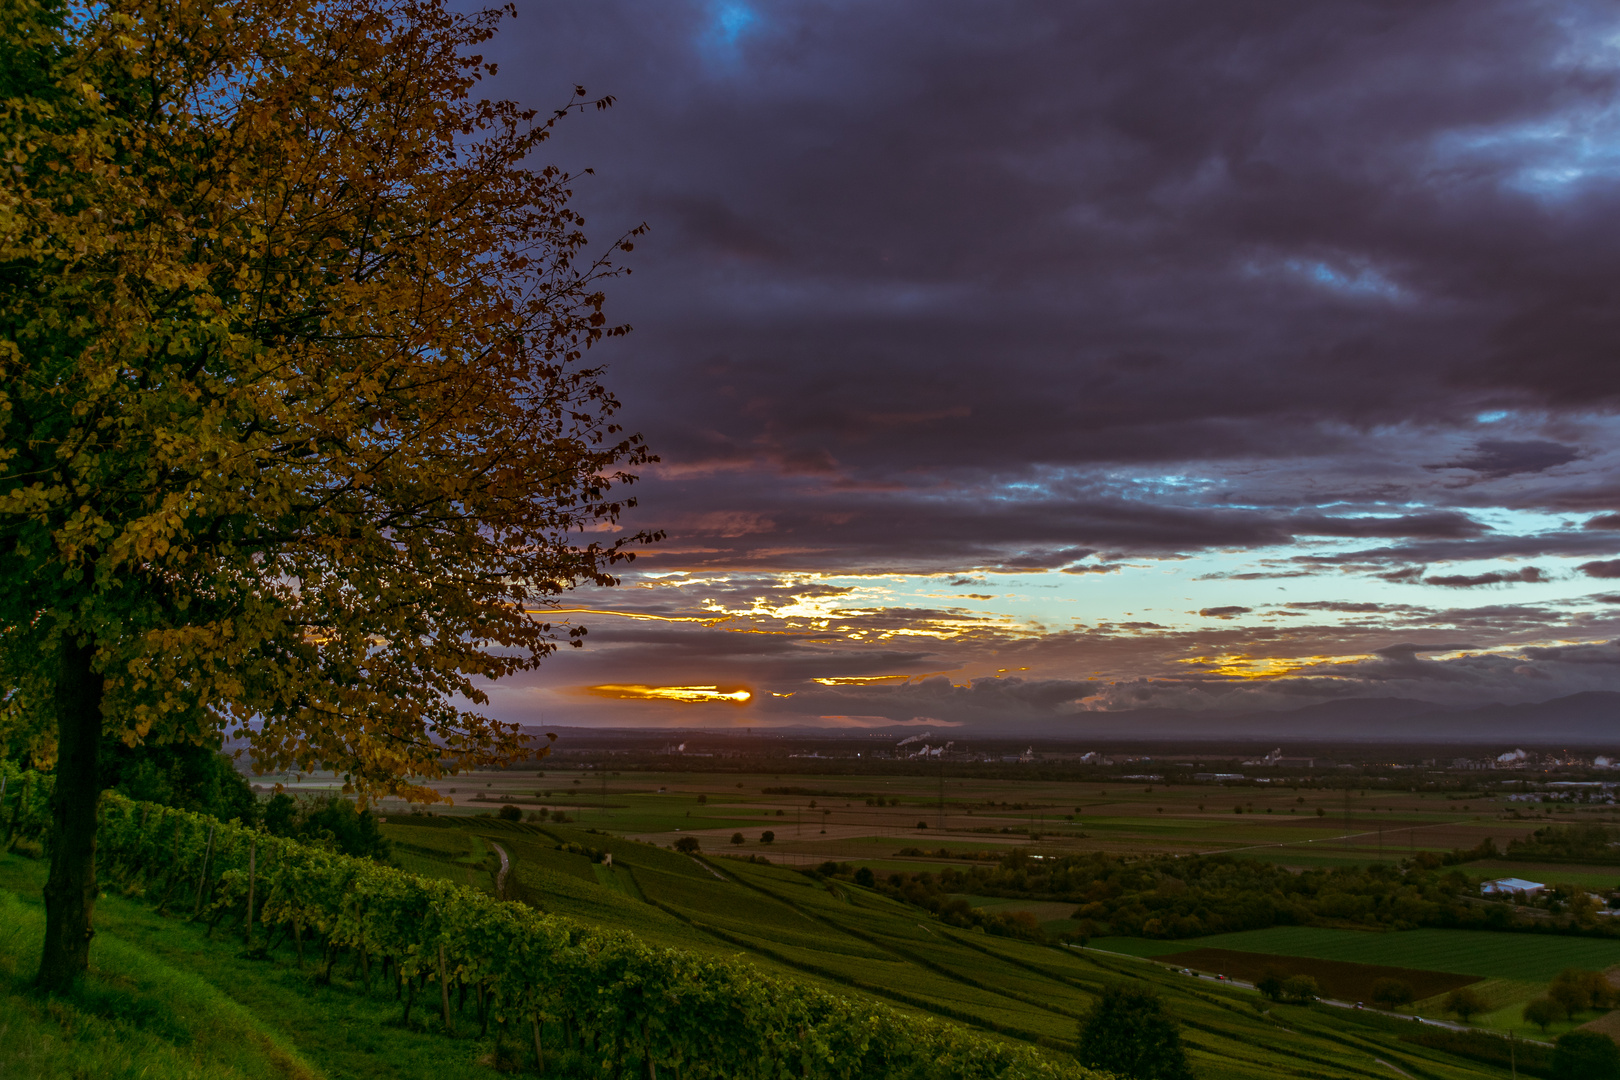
[{"x": 687, "y": 695}]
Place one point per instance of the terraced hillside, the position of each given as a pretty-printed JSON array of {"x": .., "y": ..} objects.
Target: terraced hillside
[{"x": 859, "y": 941}]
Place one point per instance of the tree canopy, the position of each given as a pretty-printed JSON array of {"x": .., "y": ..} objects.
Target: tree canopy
[
  {"x": 297, "y": 434},
  {"x": 1129, "y": 1034}
]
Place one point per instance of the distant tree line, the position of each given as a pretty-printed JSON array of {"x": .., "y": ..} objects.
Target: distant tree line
[
  {"x": 1168, "y": 897},
  {"x": 1568, "y": 843}
]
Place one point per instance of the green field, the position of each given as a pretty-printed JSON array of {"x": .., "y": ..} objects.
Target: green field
[{"x": 1525, "y": 957}]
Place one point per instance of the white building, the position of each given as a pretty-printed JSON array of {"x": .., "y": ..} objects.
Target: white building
[{"x": 1511, "y": 886}]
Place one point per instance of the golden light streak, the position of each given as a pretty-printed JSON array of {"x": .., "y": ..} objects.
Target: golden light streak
[
  {"x": 687, "y": 695},
  {"x": 705, "y": 621},
  {"x": 1244, "y": 666}
]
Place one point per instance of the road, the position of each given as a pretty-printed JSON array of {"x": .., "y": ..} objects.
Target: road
[{"x": 506, "y": 865}]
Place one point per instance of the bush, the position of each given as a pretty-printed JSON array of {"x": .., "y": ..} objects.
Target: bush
[
  {"x": 510, "y": 813},
  {"x": 182, "y": 775},
  {"x": 1585, "y": 1055},
  {"x": 767, "y": 837},
  {"x": 1129, "y": 1034},
  {"x": 736, "y": 838},
  {"x": 865, "y": 878},
  {"x": 687, "y": 845},
  {"x": 1270, "y": 984},
  {"x": 328, "y": 821}
]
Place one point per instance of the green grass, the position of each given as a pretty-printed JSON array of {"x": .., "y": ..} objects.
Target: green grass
[
  {"x": 1526, "y": 957},
  {"x": 162, "y": 1001}
]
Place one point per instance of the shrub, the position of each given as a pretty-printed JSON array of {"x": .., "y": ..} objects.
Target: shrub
[
  {"x": 864, "y": 877},
  {"x": 736, "y": 838},
  {"x": 510, "y": 813},
  {"x": 687, "y": 845},
  {"x": 1585, "y": 1055},
  {"x": 1129, "y": 1034},
  {"x": 767, "y": 837}
]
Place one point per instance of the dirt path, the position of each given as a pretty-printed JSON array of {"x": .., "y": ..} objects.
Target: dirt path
[{"x": 506, "y": 865}]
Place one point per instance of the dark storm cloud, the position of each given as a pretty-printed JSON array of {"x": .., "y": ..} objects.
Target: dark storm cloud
[
  {"x": 1504, "y": 457},
  {"x": 935, "y": 285},
  {"x": 922, "y": 251},
  {"x": 1494, "y": 577}
]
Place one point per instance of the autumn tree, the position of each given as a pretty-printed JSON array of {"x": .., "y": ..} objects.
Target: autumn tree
[{"x": 298, "y": 438}]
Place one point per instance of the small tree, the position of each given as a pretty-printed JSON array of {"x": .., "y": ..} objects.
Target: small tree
[
  {"x": 1542, "y": 1012},
  {"x": 1270, "y": 984},
  {"x": 1585, "y": 1055},
  {"x": 736, "y": 838},
  {"x": 510, "y": 813},
  {"x": 1129, "y": 1034},
  {"x": 865, "y": 878},
  {"x": 1578, "y": 990},
  {"x": 1392, "y": 993},
  {"x": 1300, "y": 989},
  {"x": 1464, "y": 1002},
  {"x": 687, "y": 845},
  {"x": 767, "y": 837}
]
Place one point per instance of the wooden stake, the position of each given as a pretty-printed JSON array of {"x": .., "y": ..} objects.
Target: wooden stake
[
  {"x": 444, "y": 993},
  {"x": 253, "y": 853},
  {"x": 202, "y": 879}
]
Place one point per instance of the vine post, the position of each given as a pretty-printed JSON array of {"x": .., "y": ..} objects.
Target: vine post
[
  {"x": 202, "y": 879},
  {"x": 253, "y": 852},
  {"x": 444, "y": 993}
]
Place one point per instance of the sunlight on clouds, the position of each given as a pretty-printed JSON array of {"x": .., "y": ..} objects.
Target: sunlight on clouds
[
  {"x": 689, "y": 695},
  {"x": 1244, "y": 666}
]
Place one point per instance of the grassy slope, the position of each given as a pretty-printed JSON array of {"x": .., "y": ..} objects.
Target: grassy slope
[
  {"x": 164, "y": 1002},
  {"x": 860, "y": 941}
]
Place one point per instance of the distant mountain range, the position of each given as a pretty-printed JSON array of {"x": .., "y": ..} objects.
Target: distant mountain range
[{"x": 1587, "y": 719}]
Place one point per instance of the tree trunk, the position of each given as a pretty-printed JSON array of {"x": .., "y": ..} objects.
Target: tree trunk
[{"x": 70, "y": 891}]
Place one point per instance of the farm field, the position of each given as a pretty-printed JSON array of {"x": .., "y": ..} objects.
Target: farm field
[
  {"x": 817, "y": 818},
  {"x": 1532, "y": 957},
  {"x": 1512, "y": 968},
  {"x": 858, "y": 941}
]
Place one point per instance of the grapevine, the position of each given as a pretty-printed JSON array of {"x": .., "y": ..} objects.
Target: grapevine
[{"x": 626, "y": 1007}]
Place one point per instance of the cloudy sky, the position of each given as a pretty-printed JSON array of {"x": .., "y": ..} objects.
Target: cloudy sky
[{"x": 1012, "y": 361}]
